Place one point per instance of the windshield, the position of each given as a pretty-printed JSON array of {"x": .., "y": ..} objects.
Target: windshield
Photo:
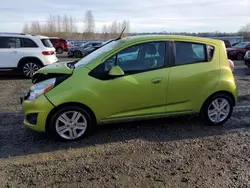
[
  {"x": 85, "y": 44},
  {"x": 97, "y": 53},
  {"x": 241, "y": 45}
]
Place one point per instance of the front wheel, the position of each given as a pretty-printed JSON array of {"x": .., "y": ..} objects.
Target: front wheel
[
  {"x": 70, "y": 123},
  {"x": 217, "y": 109}
]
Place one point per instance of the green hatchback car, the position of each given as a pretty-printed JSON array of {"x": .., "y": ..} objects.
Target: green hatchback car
[{"x": 132, "y": 78}]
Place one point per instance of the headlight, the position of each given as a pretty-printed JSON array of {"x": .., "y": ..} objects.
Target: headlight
[{"x": 41, "y": 88}]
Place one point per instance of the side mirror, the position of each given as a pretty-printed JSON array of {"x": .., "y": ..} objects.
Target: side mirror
[{"x": 116, "y": 71}]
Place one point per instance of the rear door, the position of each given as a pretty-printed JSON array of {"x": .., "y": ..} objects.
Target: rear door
[
  {"x": 9, "y": 52},
  {"x": 194, "y": 73}
]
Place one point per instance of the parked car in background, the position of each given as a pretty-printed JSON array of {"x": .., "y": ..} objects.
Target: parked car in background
[
  {"x": 235, "y": 43},
  {"x": 27, "y": 53},
  {"x": 227, "y": 43},
  {"x": 238, "y": 51},
  {"x": 166, "y": 75},
  {"x": 80, "y": 51},
  {"x": 247, "y": 58},
  {"x": 61, "y": 45}
]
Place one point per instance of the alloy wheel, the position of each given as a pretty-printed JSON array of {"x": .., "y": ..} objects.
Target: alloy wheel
[
  {"x": 30, "y": 68},
  {"x": 218, "y": 110},
  {"x": 71, "y": 125}
]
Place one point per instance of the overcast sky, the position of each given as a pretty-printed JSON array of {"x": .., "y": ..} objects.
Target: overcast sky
[{"x": 144, "y": 15}]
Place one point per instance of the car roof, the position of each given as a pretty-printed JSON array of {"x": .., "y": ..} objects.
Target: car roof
[
  {"x": 23, "y": 35},
  {"x": 167, "y": 37}
]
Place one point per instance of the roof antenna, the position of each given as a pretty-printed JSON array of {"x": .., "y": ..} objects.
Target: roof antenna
[{"x": 120, "y": 36}]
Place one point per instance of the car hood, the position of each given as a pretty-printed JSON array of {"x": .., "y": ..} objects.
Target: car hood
[
  {"x": 63, "y": 68},
  {"x": 53, "y": 70}
]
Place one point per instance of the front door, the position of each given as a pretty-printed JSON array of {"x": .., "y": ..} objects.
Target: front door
[{"x": 142, "y": 90}]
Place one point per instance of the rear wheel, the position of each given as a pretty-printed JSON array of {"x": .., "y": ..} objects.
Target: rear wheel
[
  {"x": 29, "y": 67},
  {"x": 77, "y": 54},
  {"x": 240, "y": 56},
  {"x": 70, "y": 123},
  {"x": 59, "y": 50},
  {"x": 217, "y": 109}
]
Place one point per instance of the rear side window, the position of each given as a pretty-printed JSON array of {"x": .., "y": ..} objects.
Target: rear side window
[
  {"x": 47, "y": 43},
  {"x": 188, "y": 53},
  {"x": 28, "y": 43}
]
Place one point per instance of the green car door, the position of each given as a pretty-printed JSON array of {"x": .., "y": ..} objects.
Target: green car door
[{"x": 142, "y": 89}]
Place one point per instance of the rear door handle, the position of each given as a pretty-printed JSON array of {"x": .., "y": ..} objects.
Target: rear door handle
[
  {"x": 14, "y": 52},
  {"x": 156, "y": 80}
]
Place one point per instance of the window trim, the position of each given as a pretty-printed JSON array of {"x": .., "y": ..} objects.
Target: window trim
[{"x": 173, "y": 63}]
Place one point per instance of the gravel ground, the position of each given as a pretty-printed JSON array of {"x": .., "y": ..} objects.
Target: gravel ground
[{"x": 172, "y": 152}]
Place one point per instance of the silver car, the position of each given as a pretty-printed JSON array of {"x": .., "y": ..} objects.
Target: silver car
[{"x": 80, "y": 51}]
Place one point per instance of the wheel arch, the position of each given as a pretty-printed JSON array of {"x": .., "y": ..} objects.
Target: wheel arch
[
  {"x": 220, "y": 92},
  {"x": 76, "y": 104},
  {"x": 22, "y": 60}
]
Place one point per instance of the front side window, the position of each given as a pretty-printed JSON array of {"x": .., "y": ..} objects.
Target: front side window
[
  {"x": 142, "y": 57},
  {"x": 187, "y": 53},
  {"x": 9, "y": 42},
  {"x": 135, "y": 59}
]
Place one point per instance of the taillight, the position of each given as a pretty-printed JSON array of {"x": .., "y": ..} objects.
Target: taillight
[
  {"x": 231, "y": 65},
  {"x": 48, "y": 52}
]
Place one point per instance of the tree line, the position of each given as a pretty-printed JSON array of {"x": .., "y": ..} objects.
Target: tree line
[{"x": 66, "y": 27}]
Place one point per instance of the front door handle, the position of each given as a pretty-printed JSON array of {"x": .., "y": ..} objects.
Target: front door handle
[{"x": 156, "y": 80}]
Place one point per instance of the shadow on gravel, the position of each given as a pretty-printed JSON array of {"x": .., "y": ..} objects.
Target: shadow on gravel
[
  {"x": 240, "y": 72},
  {"x": 11, "y": 75},
  {"x": 16, "y": 140}
]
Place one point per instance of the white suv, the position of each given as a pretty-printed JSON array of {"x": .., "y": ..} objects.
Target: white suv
[{"x": 28, "y": 53}]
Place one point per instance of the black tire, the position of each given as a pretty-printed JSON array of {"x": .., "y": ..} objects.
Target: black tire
[
  {"x": 204, "y": 110},
  {"x": 77, "y": 54},
  {"x": 240, "y": 56},
  {"x": 59, "y": 50},
  {"x": 59, "y": 112},
  {"x": 28, "y": 63}
]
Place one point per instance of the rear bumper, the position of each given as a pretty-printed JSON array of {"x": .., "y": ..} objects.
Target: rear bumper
[{"x": 50, "y": 60}]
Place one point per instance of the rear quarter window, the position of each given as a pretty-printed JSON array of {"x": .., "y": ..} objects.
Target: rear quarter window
[
  {"x": 210, "y": 52},
  {"x": 47, "y": 43}
]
